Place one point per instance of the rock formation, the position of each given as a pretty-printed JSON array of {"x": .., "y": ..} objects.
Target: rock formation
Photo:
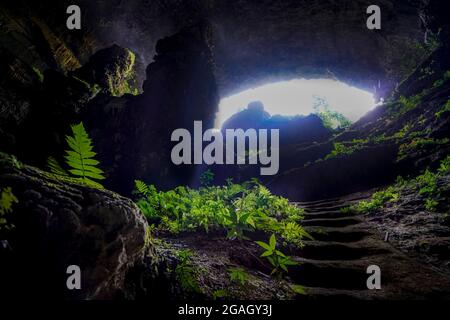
[{"x": 59, "y": 223}]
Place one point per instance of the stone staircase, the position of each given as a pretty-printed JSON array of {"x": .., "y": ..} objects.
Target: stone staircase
[{"x": 334, "y": 264}]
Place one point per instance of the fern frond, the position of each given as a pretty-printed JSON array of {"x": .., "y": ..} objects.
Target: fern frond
[
  {"x": 55, "y": 168},
  {"x": 141, "y": 187},
  {"x": 80, "y": 157}
]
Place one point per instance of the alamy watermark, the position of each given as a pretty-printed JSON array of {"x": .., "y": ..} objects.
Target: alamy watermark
[{"x": 239, "y": 147}]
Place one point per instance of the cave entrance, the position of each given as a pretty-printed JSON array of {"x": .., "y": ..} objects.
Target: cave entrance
[{"x": 300, "y": 97}]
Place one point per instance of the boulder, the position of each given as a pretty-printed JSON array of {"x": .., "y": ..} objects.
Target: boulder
[
  {"x": 58, "y": 223},
  {"x": 114, "y": 69}
]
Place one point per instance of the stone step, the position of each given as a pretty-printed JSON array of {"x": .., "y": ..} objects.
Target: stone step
[
  {"x": 327, "y": 214},
  {"x": 332, "y": 222},
  {"x": 338, "y": 235},
  {"x": 322, "y": 250},
  {"x": 330, "y": 274}
]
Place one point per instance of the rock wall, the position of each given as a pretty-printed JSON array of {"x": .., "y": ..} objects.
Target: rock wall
[
  {"x": 58, "y": 223},
  {"x": 133, "y": 134}
]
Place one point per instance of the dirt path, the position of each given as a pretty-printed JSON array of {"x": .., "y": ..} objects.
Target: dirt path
[{"x": 334, "y": 264}]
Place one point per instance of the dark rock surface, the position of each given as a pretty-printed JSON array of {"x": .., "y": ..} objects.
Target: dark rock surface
[
  {"x": 256, "y": 41},
  {"x": 59, "y": 223},
  {"x": 415, "y": 230},
  {"x": 133, "y": 134},
  {"x": 293, "y": 130},
  {"x": 114, "y": 69}
]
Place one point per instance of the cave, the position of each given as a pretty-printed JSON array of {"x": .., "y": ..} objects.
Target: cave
[{"x": 225, "y": 150}]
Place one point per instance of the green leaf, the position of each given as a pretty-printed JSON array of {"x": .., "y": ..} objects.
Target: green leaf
[
  {"x": 80, "y": 157},
  {"x": 298, "y": 289},
  {"x": 267, "y": 254},
  {"x": 272, "y": 241},
  {"x": 55, "y": 168},
  {"x": 264, "y": 245}
]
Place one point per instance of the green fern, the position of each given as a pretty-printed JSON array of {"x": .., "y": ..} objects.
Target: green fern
[
  {"x": 54, "y": 167},
  {"x": 81, "y": 157},
  {"x": 141, "y": 187},
  {"x": 7, "y": 199}
]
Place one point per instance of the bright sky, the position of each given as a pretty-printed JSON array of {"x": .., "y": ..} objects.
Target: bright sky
[{"x": 296, "y": 97}]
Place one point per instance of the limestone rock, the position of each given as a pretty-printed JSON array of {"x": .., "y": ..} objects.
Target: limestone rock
[{"x": 59, "y": 223}]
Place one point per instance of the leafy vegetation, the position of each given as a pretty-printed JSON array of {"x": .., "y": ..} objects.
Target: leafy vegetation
[
  {"x": 331, "y": 119},
  {"x": 298, "y": 289},
  {"x": 445, "y": 108},
  {"x": 80, "y": 159},
  {"x": 418, "y": 145},
  {"x": 206, "y": 178},
  {"x": 426, "y": 185},
  {"x": 341, "y": 148},
  {"x": 239, "y": 275},
  {"x": 279, "y": 261},
  {"x": 378, "y": 200},
  {"x": 7, "y": 199},
  {"x": 237, "y": 208},
  {"x": 186, "y": 273}
]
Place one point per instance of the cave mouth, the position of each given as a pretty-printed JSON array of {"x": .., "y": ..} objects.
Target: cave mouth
[{"x": 300, "y": 97}]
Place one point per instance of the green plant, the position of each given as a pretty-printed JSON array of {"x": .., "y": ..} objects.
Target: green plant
[
  {"x": 277, "y": 259},
  {"x": 331, "y": 119},
  {"x": 55, "y": 167},
  {"x": 239, "y": 276},
  {"x": 206, "y": 178},
  {"x": 341, "y": 148},
  {"x": 377, "y": 201},
  {"x": 403, "y": 132},
  {"x": 220, "y": 294},
  {"x": 237, "y": 208},
  {"x": 418, "y": 145},
  {"x": 298, "y": 289},
  {"x": 185, "y": 272},
  {"x": 81, "y": 157},
  {"x": 445, "y": 108},
  {"x": 7, "y": 199}
]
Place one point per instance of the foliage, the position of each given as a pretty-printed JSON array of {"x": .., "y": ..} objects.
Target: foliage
[
  {"x": 426, "y": 185},
  {"x": 407, "y": 104},
  {"x": 7, "y": 199},
  {"x": 206, "y": 178},
  {"x": 54, "y": 167},
  {"x": 237, "y": 208},
  {"x": 277, "y": 259},
  {"x": 298, "y": 289},
  {"x": 331, "y": 119},
  {"x": 185, "y": 272},
  {"x": 445, "y": 108},
  {"x": 81, "y": 157},
  {"x": 417, "y": 145},
  {"x": 378, "y": 200},
  {"x": 239, "y": 276},
  {"x": 341, "y": 148},
  {"x": 220, "y": 294},
  {"x": 403, "y": 132}
]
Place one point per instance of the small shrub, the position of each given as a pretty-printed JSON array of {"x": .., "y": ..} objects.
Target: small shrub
[
  {"x": 237, "y": 208},
  {"x": 186, "y": 273},
  {"x": 206, "y": 178},
  {"x": 238, "y": 275},
  {"x": 7, "y": 200},
  {"x": 279, "y": 261},
  {"x": 298, "y": 289},
  {"x": 377, "y": 201},
  {"x": 417, "y": 145},
  {"x": 445, "y": 108}
]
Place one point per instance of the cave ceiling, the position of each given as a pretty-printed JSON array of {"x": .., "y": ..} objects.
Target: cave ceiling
[{"x": 256, "y": 41}]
